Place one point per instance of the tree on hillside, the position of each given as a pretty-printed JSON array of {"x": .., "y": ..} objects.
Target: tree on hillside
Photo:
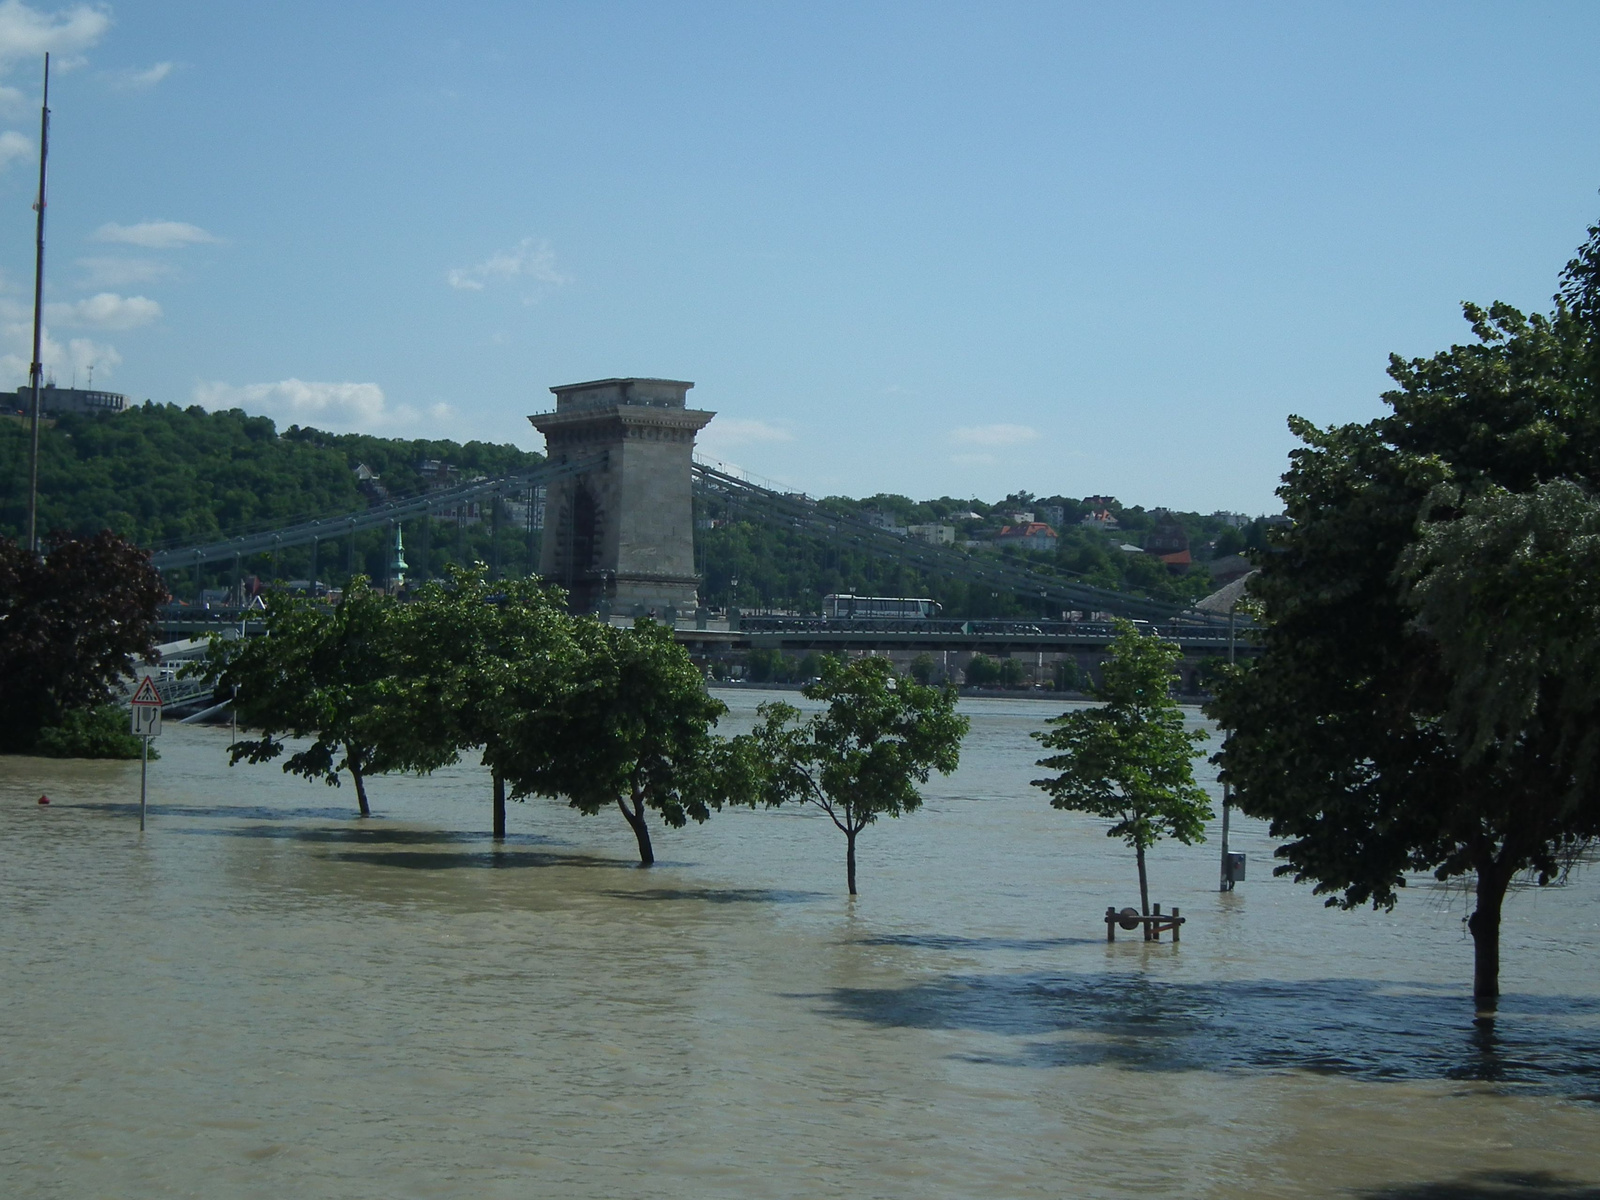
[
  {"x": 1371, "y": 732},
  {"x": 1130, "y": 760},
  {"x": 863, "y": 756},
  {"x": 72, "y": 625},
  {"x": 633, "y": 727},
  {"x": 335, "y": 676}
]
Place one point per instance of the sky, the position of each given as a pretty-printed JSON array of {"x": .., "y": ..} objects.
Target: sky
[{"x": 929, "y": 248}]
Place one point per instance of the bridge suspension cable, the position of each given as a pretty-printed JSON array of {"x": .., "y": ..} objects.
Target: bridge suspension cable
[
  {"x": 327, "y": 528},
  {"x": 804, "y": 516}
]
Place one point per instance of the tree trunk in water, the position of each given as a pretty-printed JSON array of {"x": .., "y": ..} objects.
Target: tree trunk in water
[
  {"x": 1144, "y": 883},
  {"x": 635, "y": 819},
  {"x": 499, "y": 807},
  {"x": 361, "y": 783},
  {"x": 850, "y": 858},
  {"x": 1484, "y": 924}
]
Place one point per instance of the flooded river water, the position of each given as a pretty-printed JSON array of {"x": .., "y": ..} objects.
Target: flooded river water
[{"x": 264, "y": 996}]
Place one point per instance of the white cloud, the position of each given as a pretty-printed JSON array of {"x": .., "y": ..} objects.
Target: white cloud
[
  {"x": 993, "y": 435},
  {"x": 121, "y": 272},
  {"x": 336, "y": 407},
  {"x": 107, "y": 310},
  {"x": 132, "y": 80},
  {"x": 65, "y": 363},
  {"x": 14, "y": 145},
  {"x": 529, "y": 259},
  {"x": 27, "y": 33},
  {"x": 728, "y": 432},
  {"x": 155, "y": 235}
]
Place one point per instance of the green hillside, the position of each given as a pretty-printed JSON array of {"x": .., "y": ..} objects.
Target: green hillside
[{"x": 161, "y": 475}]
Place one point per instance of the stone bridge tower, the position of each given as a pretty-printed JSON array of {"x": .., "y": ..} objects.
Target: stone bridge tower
[{"x": 621, "y": 539}]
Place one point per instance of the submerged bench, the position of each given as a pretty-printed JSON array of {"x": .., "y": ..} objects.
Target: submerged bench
[{"x": 1154, "y": 925}]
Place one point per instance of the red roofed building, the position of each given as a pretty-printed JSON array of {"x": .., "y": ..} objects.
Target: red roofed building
[{"x": 1035, "y": 535}]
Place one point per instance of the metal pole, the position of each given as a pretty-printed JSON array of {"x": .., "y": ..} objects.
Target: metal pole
[
  {"x": 37, "y": 367},
  {"x": 144, "y": 766},
  {"x": 1227, "y": 866}
]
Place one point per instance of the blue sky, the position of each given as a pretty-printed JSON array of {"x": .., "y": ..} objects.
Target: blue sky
[{"x": 928, "y": 248}]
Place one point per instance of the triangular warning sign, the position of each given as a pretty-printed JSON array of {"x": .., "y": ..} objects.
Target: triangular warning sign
[{"x": 146, "y": 693}]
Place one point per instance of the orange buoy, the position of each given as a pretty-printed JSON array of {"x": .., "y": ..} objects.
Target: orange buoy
[{"x": 44, "y": 799}]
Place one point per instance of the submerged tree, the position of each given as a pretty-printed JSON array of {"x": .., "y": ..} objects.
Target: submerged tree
[
  {"x": 483, "y": 667},
  {"x": 864, "y": 755},
  {"x": 1130, "y": 760},
  {"x": 634, "y": 727},
  {"x": 1395, "y": 720},
  {"x": 332, "y": 675}
]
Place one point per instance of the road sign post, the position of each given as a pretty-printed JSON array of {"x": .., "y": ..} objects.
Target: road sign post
[{"x": 146, "y": 721}]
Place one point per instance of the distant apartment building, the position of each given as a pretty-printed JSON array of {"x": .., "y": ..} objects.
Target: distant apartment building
[
  {"x": 54, "y": 401},
  {"x": 883, "y": 521},
  {"x": 938, "y": 535},
  {"x": 1052, "y": 515},
  {"x": 1034, "y": 535}
]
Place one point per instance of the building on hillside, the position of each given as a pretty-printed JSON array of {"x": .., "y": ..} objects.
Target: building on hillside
[
  {"x": 938, "y": 535},
  {"x": 1169, "y": 542},
  {"x": 55, "y": 401},
  {"x": 884, "y": 521},
  {"x": 370, "y": 485},
  {"x": 1022, "y": 518},
  {"x": 1232, "y": 519},
  {"x": 1099, "y": 518},
  {"x": 1034, "y": 535},
  {"x": 1052, "y": 515}
]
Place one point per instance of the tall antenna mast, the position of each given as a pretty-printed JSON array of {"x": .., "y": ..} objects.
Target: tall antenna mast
[{"x": 37, "y": 368}]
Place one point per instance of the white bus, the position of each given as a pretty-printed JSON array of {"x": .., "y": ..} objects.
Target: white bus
[{"x": 845, "y": 607}]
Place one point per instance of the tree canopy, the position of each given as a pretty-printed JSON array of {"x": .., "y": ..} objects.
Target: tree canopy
[
  {"x": 1365, "y": 733},
  {"x": 72, "y": 624},
  {"x": 634, "y": 727},
  {"x": 333, "y": 675},
  {"x": 864, "y": 755}
]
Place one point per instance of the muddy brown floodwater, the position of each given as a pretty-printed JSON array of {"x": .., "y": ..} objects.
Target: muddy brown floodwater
[{"x": 265, "y": 996}]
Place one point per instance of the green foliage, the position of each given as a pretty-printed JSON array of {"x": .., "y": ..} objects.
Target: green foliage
[
  {"x": 162, "y": 475},
  {"x": 633, "y": 728},
  {"x": 1509, "y": 590},
  {"x": 1065, "y": 676},
  {"x": 98, "y": 732},
  {"x": 71, "y": 626},
  {"x": 777, "y": 567},
  {"x": 333, "y": 675},
  {"x": 983, "y": 671},
  {"x": 1362, "y": 732},
  {"x": 774, "y": 666},
  {"x": 922, "y": 669},
  {"x": 478, "y": 661},
  {"x": 860, "y": 758},
  {"x": 1130, "y": 760}
]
